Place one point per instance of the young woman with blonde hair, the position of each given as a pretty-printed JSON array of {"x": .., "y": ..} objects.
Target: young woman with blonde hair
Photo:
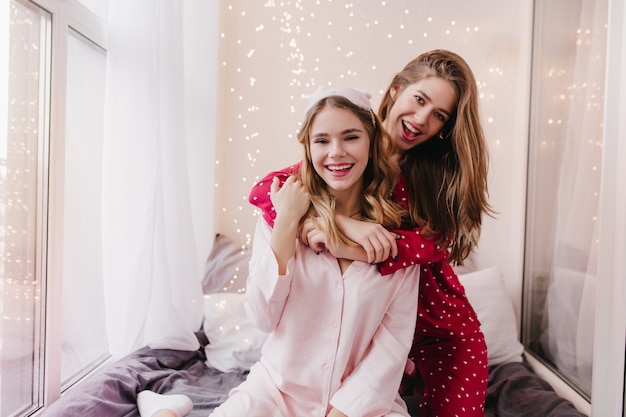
[
  {"x": 430, "y": 110},
  {"x": 338, "y": 334}
]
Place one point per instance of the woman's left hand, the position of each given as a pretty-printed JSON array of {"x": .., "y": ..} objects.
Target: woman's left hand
[{"x": 312, "y": 236}]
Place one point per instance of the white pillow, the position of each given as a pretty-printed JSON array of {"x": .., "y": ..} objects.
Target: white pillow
[
  {"x": 234, "y": 342},
  {"x": 487, "y": 294}
]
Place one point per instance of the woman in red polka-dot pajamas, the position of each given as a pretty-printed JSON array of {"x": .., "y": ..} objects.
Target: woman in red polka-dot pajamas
[{"x": 433, "y": 103}]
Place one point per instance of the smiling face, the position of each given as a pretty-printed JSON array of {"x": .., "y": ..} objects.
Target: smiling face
[
  {"x": 340, "y": 147},
  {"x": 420, "y": 111}
]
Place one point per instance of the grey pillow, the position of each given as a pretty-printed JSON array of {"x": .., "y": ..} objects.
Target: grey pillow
[{"x": 226, "y": 268}]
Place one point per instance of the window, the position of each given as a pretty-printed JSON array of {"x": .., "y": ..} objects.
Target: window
[
  {"x": 50, "y": 187},
  {"x": 23, "y": 196},
  {"x": 84, "y": 341},
  {"x": 563, "y": 203}
]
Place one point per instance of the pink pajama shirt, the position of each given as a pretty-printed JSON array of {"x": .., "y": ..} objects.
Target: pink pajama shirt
[
  {"x": 449, "y": 349},
  {"x": 335, "y": 340}
]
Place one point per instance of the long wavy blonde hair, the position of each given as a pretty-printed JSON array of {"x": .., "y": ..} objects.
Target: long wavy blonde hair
[
  {"x": 378, "y": 179},
  {"x": 447, "y": 175}
]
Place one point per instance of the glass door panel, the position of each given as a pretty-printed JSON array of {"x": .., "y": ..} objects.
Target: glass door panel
[
  {"x": 565, "y": 166},
  {"x": 84, "y": 335},
  {"x": 23, "y": 196}
]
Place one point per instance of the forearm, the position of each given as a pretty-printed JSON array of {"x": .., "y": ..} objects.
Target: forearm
[
  {"x": 266, "y": 290},
  {"x": 354, "y": 253},
  {"x": 283, "y": 241},
  {"x": 415, "y": 249},
  {"x": 377, "y": 243}
]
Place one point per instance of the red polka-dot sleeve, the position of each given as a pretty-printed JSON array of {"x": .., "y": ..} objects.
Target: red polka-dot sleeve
[
  {"x": 260, "y": 193},
  {"x": 413, "y": 248}
]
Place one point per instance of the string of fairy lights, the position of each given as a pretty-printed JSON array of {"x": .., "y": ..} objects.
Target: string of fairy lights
[
  {"x": 275, "y": 53},
  {"x": 272, "y": 55}
]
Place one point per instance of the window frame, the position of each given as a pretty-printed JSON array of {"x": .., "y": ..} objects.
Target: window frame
[
  {"x": 610, "y": 321},
  {"x": 66, "y": 16},
  {"x": 609, "y": 371}
]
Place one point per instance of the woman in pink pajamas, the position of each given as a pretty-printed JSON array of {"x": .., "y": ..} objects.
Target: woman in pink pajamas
[
  {"x": 430, "y": 110},
  {"x": 339, "y": 335}
]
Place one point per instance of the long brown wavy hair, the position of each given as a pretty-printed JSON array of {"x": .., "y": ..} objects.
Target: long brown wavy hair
[
  {"x": 378, "y": 179},
  {"x": 447, "y": 178}
]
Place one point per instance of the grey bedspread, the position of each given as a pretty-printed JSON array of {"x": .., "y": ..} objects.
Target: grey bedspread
[
  {"x": 514, "y": 390},
  {"x": 112, "y": 392}
]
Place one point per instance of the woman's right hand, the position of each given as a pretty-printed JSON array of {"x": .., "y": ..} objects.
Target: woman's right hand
[{"x": 291, "y": 200}]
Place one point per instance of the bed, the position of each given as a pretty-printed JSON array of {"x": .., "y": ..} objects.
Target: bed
[{"x": 230, "y": 345}]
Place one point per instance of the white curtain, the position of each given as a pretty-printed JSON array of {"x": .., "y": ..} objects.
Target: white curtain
[
  {"x": 570, "y": 302},
  {"x": 152, "y": 279}
]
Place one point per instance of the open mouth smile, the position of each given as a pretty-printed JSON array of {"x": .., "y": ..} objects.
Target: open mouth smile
[
  {"x": 409, "y": 132},
  {"x": 340, "y": 169}
]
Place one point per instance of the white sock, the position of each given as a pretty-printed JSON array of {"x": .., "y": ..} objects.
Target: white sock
[{"x": 150, "y": 402}]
